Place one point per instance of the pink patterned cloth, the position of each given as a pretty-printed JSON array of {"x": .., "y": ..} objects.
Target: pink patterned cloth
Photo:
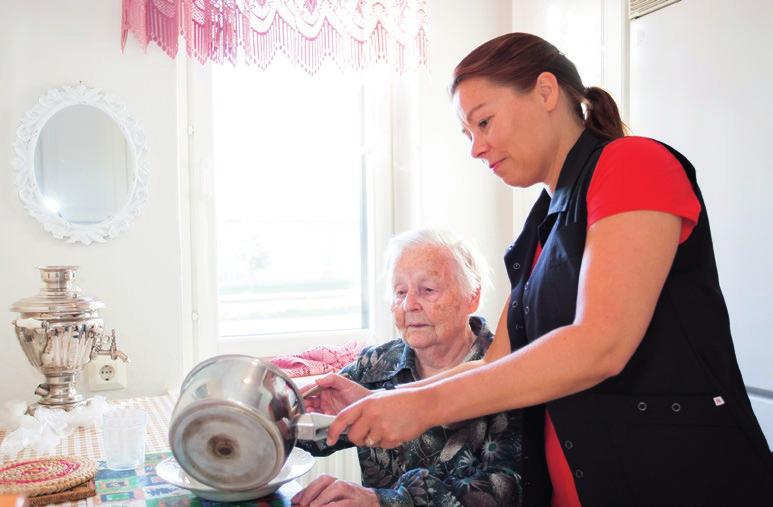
[
  {"x": 318, "y": 360},
  {"x": 353, "y": 33}
]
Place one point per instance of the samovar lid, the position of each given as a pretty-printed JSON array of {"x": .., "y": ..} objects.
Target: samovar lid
[{"x": 59, "y": 295}]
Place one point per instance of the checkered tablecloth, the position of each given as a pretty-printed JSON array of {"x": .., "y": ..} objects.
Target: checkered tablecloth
[
  {"x": 142, "y": 487},
  {"x": 87, "y": 442}
]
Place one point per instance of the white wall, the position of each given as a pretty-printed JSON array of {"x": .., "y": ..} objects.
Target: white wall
[
  {"x": 140, "y": 275},
  {"x": 137, "y": 275}
]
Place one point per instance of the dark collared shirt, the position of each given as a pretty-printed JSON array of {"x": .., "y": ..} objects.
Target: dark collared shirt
[{"x": 473, "y": 462}]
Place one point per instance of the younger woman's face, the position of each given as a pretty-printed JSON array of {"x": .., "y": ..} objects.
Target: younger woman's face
[{"x": 509, "y": 131}]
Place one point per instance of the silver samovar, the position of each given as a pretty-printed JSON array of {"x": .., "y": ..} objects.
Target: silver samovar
[{"x": 60, "y": 331}]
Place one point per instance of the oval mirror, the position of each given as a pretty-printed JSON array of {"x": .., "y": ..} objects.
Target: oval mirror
[{"x": 80, "y": 162}]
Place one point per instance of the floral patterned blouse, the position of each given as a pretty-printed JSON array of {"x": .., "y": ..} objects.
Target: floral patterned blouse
[{"x": 473, "y": 462}]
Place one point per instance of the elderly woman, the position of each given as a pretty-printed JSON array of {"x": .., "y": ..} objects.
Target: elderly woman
[{"x": 435, "y": 287}]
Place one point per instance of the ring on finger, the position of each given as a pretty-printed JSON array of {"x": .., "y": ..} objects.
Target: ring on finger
[{"x": 370, "y": 442}]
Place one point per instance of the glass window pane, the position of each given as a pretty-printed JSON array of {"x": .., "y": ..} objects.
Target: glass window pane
[{"x": 291, "y": 239}]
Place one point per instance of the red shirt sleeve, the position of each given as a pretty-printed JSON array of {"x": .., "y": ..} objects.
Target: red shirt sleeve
[{"x": 636, "y": 173}]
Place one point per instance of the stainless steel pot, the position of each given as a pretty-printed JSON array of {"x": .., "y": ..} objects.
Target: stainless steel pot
[{"x": 236, "y": 421}]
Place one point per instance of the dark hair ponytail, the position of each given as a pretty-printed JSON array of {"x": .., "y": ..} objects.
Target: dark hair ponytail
[
  {"x": 602, "y": 116},
  {"x": 516, "y": 59}
]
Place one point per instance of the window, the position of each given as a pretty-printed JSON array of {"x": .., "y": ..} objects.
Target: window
[
  {"x": 290, "y": 203},
  {"x": 290, "y": 209}
]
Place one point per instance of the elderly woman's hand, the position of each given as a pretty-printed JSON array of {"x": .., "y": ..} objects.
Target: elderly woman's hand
[
  {"x": 385, "y": 419},
  {"x": 326, "y": 489},
  {"x": 336, "y": 393}
]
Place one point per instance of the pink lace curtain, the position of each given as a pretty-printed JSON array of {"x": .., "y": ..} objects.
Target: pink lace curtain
[{"x": 354, "y": 33}]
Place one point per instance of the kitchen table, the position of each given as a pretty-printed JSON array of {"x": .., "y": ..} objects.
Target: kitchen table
[{"x": 141, "y": 487}]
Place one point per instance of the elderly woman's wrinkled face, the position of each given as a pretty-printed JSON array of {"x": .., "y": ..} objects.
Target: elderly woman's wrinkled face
[{"x": 427, "y": 304}]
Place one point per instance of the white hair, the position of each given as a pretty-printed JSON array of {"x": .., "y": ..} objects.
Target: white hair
[{"x": 471, "y": 270}]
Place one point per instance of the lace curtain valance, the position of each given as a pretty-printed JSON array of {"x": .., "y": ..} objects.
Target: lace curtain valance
[{"x": 353, "y": 33}]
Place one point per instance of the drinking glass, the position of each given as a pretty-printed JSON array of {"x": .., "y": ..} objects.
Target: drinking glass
[{"x": 123, "y": 437}]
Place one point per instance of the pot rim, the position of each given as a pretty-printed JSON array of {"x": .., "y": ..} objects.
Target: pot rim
[{"x": 258, "y": 361}]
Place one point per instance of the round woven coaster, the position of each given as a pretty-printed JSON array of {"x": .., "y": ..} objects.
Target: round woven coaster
[{"x": 41, "y": 476}]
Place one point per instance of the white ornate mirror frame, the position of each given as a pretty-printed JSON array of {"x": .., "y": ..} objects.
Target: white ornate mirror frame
[{"x": 27, "y": 135}]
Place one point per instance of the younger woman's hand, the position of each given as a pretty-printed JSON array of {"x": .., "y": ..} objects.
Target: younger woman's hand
[{"x": 384, "y": 419}]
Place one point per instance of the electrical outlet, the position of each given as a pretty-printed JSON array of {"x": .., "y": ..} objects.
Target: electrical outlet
[{"x": 104, "y": 374}]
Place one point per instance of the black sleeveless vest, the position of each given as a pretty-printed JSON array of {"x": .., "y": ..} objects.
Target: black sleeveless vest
[{"x": 675, "y": 427}]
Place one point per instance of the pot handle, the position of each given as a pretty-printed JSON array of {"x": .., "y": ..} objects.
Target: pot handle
[{"x": 313, "y": 426}]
